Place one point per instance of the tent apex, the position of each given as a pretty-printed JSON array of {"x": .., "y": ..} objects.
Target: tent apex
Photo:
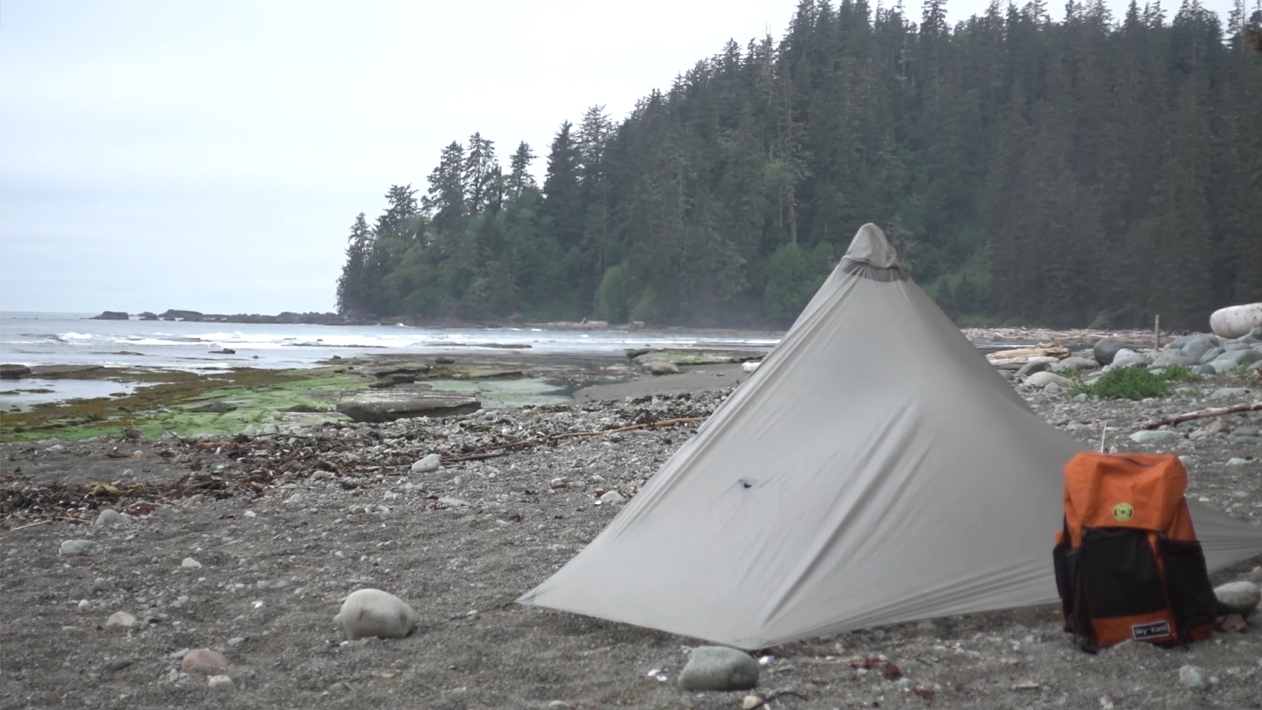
[{"x": 870, "y": 247}]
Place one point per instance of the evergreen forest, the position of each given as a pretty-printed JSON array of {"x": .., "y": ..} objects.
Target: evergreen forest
[{"x": 1091, "y": 171}]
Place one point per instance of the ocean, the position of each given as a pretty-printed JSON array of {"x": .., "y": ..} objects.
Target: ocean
[{"x": 76, "y": 339}]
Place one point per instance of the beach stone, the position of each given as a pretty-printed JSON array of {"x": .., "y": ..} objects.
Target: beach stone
[
  {"x": 77, "y": 547},
  {"x": 612, "y": 498},
  {"x": 1175, "y": 358},
  {"x": 1230, "y": 392},
  {"x": 1075, "y": 364},
  {"x": 1232, "y": 360},
  {"x": 718, "y": 668},
  {"x": 1233, "y": 623},
  {"x": 429, "y": 464},
  {"x": 1155, "y": 437},
  {"x": 109, "y": 517},
  {"x": 1042, "y": 379},
  {"x": 1246, "y": 430},
  {"x": 750, "y": 702},
  {"x": 1239, "y": 597},
  {"x": 1236, "y": 461},
  {"x": 123, "y": 619},
  {"x": 1192, "y": 676},
  {"x": 1204, "y": 370},
  {"x": 1106, "y": 349},
  {"x": 203, "y": 660},
  {"x": 221, "y": 682},
  {"x": 1130, "y": 358},
  {"x": 1034, "y": 366},
  {"x": 1052, "y": 388},
  {"x": 1198, "y": 345},
  {"x": 190, "y": 563},
  {"x": 372, "y": 612},
  {"x": 1211, "y": 354}
]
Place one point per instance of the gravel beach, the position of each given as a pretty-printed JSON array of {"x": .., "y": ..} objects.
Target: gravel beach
[{"x": 246, "y": 546}]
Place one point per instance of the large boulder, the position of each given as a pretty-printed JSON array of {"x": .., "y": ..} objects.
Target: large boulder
[
  {"x": 1235, "y": 321},
  {"x": 718, "y": 668},
  {"x": 1106, "y": 349},
  {"x": 406, "y": 402},
  {"x": 11, "y": 371}
]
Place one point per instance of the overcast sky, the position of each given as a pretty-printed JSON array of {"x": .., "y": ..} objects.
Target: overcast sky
[{"x": 212, "y": 154}]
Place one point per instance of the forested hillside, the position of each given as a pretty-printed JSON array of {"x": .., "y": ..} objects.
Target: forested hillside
[{"x": 1090, "y": 171}]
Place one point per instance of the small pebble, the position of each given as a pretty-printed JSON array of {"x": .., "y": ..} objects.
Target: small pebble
[
  {"x": 751, "y": 702},
  {"x": 109, "y": 517},
  {"x": 236, "y": 641},
  {"x": 77, "y": 547},
  {"x": 191, "y": 563},
  {"x": 221, "y": 682},
  {"x": 1191, "y": 676},
  {"x": 84, "y": 605}
]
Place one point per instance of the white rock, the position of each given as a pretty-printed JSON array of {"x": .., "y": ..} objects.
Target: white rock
[
  {"x": 612, "y": 498},
  {"x": 191, "y": 563},
  {"x": 429, "y": 464},
  {"x": 110, "y": 517},
  {"x": 750, "y": 702},
  {"x": 123, "y": 619},
  {"x": 372, "y": 612},
  {"x": 84, "y": 605},
  {"x": 1045, "y": 378},
  {"x": 221, "y": 682},
  {"x": 1240, "y": 597},
  {"x": 1191, "y": 676},
  {"x": 77, "y": 547},
  {"x": 1236, "y": 461},
  {"x": 1155, "y": 437}
]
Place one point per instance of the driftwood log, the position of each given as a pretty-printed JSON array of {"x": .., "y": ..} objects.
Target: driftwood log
[{"x": 1205, "y": 413}]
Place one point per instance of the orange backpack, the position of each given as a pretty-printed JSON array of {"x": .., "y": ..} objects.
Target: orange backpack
[{"x": 1127, "y": 561}]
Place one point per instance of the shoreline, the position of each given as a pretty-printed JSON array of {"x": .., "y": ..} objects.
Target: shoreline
[{"x": 246, "y": 545}]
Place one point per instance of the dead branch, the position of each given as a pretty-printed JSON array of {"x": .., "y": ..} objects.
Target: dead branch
[
  {"x": 1204, "y": 413},
  {"x": 489, "y": 451}
]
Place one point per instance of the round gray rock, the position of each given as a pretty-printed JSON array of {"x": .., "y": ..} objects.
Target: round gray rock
[
  {"x": 1106, "y": 349},
  {"x": 719, "y": 668},
  {"x": 372, "y": 612},
  {"x": 1240, "y": 597}
]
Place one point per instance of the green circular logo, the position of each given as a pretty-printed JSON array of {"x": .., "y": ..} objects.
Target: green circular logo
[{"x": 1123, "y": 512}]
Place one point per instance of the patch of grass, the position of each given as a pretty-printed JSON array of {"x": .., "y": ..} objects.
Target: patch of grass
[
  {"x": 1135, "y": 383},
  {"x": 169, "y": 403}
]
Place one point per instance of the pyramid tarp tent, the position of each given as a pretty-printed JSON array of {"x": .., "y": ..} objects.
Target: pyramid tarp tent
[{"x": 875, "y": 469}]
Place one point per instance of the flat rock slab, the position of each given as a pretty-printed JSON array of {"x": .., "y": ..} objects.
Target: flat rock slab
[{"x": 405, "y": 402}]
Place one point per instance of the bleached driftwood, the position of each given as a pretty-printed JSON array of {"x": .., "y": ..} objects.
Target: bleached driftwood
[{"x": 1205, "y": 413}]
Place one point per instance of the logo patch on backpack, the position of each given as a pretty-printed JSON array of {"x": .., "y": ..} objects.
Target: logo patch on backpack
[
  {"x": 1153, "y": 630},
  {"x": 1123, "y": 512}
]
